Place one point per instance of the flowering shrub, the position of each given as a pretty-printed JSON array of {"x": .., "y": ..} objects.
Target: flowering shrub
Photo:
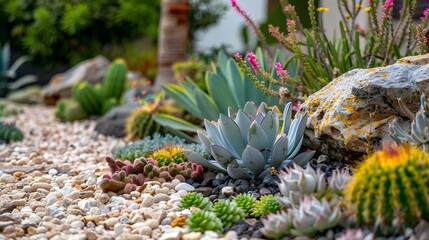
[{"x": 319, "y": 59}]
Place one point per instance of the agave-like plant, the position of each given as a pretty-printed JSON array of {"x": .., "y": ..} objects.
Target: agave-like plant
[
  {"x": 248, "y": 144},
  {"x": 419, "y": 135}
]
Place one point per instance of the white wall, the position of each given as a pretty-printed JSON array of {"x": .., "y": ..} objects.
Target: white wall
[{"x": 228, "y": 29}]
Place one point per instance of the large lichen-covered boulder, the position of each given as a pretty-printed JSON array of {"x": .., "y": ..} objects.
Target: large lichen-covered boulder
[{"x": 352, "y": 113}]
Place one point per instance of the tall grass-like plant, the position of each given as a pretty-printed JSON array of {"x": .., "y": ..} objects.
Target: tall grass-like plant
[{"x": 320, "y": 59}]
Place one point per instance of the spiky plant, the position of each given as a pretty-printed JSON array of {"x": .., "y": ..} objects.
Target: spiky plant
[
  {"x": 246, "y": 201},
  {"x": 169, "y": 154},
  {"x": 228, "y": 212},
  {"x": 140, "y": 123},
  {"x": 202, "y": 221},
  {"x": 266, "y": 205},
  {"x": 9, "y": 132},
  {"x": 193, "y": 199},
  {"x": 390, "y": 189}
]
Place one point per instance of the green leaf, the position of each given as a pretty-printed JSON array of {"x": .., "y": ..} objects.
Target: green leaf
[
  {"x": 196, "y": 158},
  {"x": 220, "y": 92},
  {"x": 183, "y": 98},
  {"x": 235, "y": 82},
  {"x": 205, "y": 104},
  {"x": 173, "y": 122}
]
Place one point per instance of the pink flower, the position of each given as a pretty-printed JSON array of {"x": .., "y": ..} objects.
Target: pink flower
[
  {"x": 282, "y": 73},
  {"x": 296, "y": 107},
  {"x": 388, "y": 4},
  {"x": 237, "y": 55},
  {"x": 234, "y": 3},
  {"x": 252, "y": 60},
  {"x": 426, "y": 11}
]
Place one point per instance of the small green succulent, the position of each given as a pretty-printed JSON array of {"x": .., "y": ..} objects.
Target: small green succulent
[
  {"x": 202, "y": 221},
  {"x": 246, "y": 201},
  {"x": 266, "y": 205},
  {"x": 193, "y": 199},
  {"x": 228, "y": 212}
]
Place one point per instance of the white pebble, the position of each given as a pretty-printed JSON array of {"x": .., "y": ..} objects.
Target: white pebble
[
  {"x": 118, "y": 229},
  {"x": 53, "y": 172},
  {"x": 184, "y": 186}
]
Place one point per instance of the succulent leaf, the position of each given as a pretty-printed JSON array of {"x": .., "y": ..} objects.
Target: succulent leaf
[{"x": 253, "y": 160}]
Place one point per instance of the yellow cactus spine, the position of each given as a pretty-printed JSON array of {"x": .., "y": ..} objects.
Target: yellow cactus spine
[{"x": 390, "y": 190}]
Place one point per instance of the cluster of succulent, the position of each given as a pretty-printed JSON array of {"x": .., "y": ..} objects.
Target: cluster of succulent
[
  {"x": 265, "y": 205},
  {"x": 419, "y": 135},
  {"x": 213, "y": 217},
  {"x": 390, "y": 190},
  {"x": 305, "y": 220},
  {"x": 169, "y": 154},
  {"x": 9, "y": 133},
  {"x": 150, "y": 144},
  {"x": 249, "y": 143},
  {"x": 245, "y": 201},
  {"x": 310, "y": 202},
  {"x": 126, "y": 176}
]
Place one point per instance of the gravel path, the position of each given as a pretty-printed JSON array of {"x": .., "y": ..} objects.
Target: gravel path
[{"x": 48, "y": 188}]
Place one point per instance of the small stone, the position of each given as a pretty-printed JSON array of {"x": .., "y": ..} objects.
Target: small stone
[
  {"x": 264, "y": 191},
  {"x": 7, "y": 178},
  {"x": 180, "y": 221},
  {"x": 87, "y": 204},
  {"x": 135, "y": 194},
  {"x": 110, "y": 222},
  {"x": 118, "y": 228},
  {"x": 77, "y": 224},
  {"x": 161, "y": 197},
  {"x": 171, "y": 235},
  {"x": 134, "y": 206},
  {"x": 102, "y": 198},
  {"x": 231, "y": 235},
  {"x": 27, "y": 189},
  {"x": 206, "y": 191},
  {"x": 18, "y": 174},
  {"x": 40, "y": 185},
  {"x": 19, "y": 202},
  {"x": 227, "y": 191},
  {"x": 152, "y": 223},
  {"x": 184, "y": 186},
  {"x": 42, "y": 229},
  {"x": 209, "y": 235},
  {"x": 144, "y": 230},
  {"x": 31, "y": 230},
  {"x": 53, "y": 172},
  {"x": 158, "y": 215},
  {"x": 175, "y": 182},
  {"x": 19, "y": 232},
  {"x": 86, "y": 194},
  {"x": 166, "y": 221},
  {"x": 9, "y": 229},
  {"x": 148, "y": 201},
  {"x": 192, "y": 236}
]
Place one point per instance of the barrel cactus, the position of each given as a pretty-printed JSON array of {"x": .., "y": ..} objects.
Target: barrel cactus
[
  {"x": 249, "y": 144},
  {"x": 9, "y": 132},
  {"x": 140, "y": 123},
  {"x": 390, "y": 190}
]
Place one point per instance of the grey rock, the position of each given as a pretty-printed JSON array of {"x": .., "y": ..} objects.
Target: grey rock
[
  {"x": 264, "y": 191},
  {"x": 354, "y": 110},
  {"x": 227, "y": 191},
  {"x": 166, "y": 221},
  {"x": 113, "y": 122},
  {"x": 92, "y": 70},
  {"x": 206, "y": 191}
]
